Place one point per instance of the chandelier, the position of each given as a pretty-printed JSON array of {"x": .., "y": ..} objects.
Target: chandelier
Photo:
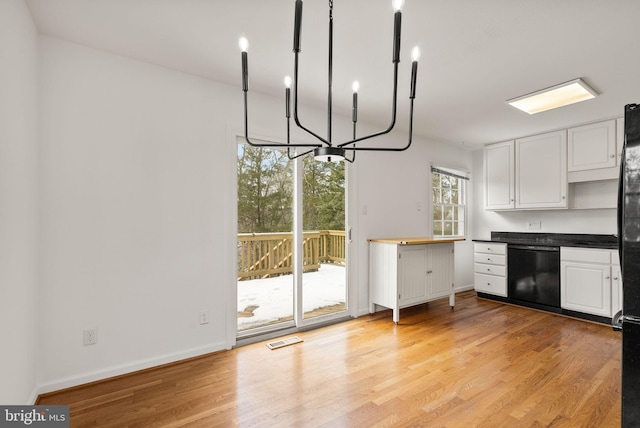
[{"x": 325, "y": 149}]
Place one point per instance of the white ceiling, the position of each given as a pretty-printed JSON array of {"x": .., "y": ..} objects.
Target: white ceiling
[{"x": 475, "y": 54}]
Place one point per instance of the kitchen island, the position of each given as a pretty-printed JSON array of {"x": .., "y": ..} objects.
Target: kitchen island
[{"x": 405, "y": 272}]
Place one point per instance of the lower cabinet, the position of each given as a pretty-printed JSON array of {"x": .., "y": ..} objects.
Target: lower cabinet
[
  {"x": 407, "y": 275},
  {"x": 490, "y": 268},
  {"x": 587, "y": 281},
  {"x": 616, "y": 284}
]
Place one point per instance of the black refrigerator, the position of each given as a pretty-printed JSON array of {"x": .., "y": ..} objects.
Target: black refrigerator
[{"x": 628, "y": 320}]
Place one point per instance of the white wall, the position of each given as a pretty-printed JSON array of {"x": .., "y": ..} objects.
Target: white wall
[
  {"x": 18, "y": 202},
  {"x": 138, "y": 209},
  {"x": 597, "y": 221},
  {"x": 134, "y": 228}
]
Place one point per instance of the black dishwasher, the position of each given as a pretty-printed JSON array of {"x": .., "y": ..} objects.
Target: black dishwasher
[{"x": 534, "y": 275}]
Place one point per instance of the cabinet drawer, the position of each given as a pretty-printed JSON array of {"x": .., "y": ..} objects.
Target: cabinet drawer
[
  {"x": 585, "y": 255},
  {"x": 489, "y": 259},
  {"x": 490, "y": 269},
  {"x": 481, "y": 247},
  {"x": 490, "y": 284}
]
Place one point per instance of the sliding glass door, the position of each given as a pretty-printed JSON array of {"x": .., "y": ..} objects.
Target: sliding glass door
[
  {"x": 324, "y": 291},
  {"x": 290, "y": 272}
]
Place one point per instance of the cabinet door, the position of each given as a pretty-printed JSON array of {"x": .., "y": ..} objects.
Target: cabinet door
[
  {"x": 586, "y": 288},
  {"x": 499, "y": 176},
  {"x": 619, "y": 139},
  {"x": 592, "y": 146},
  {"x": 616, "y": 290},
  {"x": 541, "y": 171},
  {"x": 440, "y": 270},
  {"x": 412, "y": 274}
]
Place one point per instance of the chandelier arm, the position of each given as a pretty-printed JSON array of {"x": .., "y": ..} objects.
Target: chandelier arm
[
  {"x": 393, "y": 113},
  {"x": 390, "y": 149},
  {"x": 300, "y": 155},
  {"x": 277, "y": 145},
  {"x": 295, "y": 105}
]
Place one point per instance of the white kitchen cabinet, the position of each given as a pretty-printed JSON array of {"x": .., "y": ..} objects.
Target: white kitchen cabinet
[
  {"x": 616, "y": 284},
  {"x": 592, "y": 146},
  {"x": 499, "y": 176},
  {"x": 490, "y": 268},
  {"x": 541, "y": 171},
  {"x": 405, "y": 272},
  {"x": 586, "y": 280},
  {"x": 619, "y": 139}
]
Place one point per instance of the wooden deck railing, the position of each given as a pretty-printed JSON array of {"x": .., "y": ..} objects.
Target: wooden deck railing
[{"x": 263, "y": 255}]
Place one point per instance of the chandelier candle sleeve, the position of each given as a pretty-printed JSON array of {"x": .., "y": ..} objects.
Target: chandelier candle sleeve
[
  {"x": 244, "y": 46},
  {"x": 397, "y": 24},
  {"x": 415, "y": 56},
  {"x": 287, "y": 95},
  {"x": 297, "y": 27},
  {"x": 355, "y": 87}
]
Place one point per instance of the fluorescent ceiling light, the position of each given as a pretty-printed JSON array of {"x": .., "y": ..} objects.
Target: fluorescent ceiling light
[{"x": 560, "y": 95}]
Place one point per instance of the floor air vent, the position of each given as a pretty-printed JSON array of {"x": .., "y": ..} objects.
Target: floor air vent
[{"x": 284, "y": 342}]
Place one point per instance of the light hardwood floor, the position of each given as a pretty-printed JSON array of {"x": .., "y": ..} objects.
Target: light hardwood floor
[{"x": 482, "y": 364}]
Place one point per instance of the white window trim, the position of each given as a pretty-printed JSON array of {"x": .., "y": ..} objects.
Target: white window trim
[{"x": 462, "y": 174}]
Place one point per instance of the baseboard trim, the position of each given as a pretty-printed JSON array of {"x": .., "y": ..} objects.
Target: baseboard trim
[{"x": 124, "y": 369}]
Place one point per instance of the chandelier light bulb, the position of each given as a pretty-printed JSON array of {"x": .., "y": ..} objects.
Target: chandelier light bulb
[
  {"x": 397, "y": 5},
  {"x": 415, "y": 54},
  {"x": 287, "y": 81},
  {"x": 244, "y": 44},
  {"x": 355, "y": 86}
]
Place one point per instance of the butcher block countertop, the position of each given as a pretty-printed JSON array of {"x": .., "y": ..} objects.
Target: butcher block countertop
[{"x": 414, "y": 241}]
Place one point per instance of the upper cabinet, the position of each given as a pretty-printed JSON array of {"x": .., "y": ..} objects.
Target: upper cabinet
[
  {"x": 575, "y": 168},
  {"x": 594, "y": 151},
  {"x": 499, "y": 176},
  {"x": 528, "y": 173},
  {"x": 541, "y": 171},
  {"x": 592, "y": 146}
]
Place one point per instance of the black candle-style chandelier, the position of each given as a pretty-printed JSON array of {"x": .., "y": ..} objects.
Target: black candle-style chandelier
[{"x": 325, "y": 149}]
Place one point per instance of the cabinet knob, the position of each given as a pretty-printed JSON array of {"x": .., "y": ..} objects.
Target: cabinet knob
[
  {"x": 615, "y": 278},
  {"x": 612, "y": 156},
  {"x": 606, "y": 277},
  {"x": 488, "y": 270}
]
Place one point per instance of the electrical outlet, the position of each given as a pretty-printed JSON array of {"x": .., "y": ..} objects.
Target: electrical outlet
[
  {"x": 204, "y": 317},
  {"x": 534, "y": 225},
  {"x": 90, "y": 336}
]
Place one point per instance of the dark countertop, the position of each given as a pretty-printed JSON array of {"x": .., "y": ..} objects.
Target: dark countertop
[{"x": 555, "y": 239}]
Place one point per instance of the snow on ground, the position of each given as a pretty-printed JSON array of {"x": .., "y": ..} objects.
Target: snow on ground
[{"x": 274, "y": 296}]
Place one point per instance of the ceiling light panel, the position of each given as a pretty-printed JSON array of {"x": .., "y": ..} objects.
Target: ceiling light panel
[{"x": 556, "y": 96}]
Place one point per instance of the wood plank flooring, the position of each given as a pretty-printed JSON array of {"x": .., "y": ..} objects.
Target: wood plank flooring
[{"x": 484, "y": 364}]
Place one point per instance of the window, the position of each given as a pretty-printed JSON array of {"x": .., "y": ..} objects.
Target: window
[{"x": 449, "y": 202}]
